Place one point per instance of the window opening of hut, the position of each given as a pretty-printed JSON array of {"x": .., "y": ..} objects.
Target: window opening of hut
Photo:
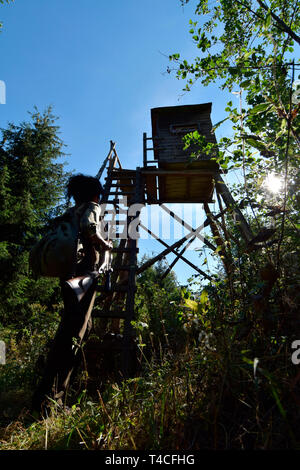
[{"x": 183, "y": 128}]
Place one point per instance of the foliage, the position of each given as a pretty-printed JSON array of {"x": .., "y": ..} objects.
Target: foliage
[
  {"x": 3, "y": 2},
  {"x": 253, "y": 46},
  {"x": 227, "y": 389},
  {"x": 157, "y": 301},
  {"x": 249, "y": 45},
  {"x": 26, "y": 349},
  {"x": 32, "y": 184}
]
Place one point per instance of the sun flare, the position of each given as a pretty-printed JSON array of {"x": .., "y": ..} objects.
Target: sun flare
[{"x": 273, "y": 183}]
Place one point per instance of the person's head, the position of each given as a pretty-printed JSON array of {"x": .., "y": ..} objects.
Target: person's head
[{"x": 84, "y": 188}]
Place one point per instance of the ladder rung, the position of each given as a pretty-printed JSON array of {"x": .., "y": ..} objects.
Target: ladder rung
[
  {"x": 116, "y": 223},
  {"x": 107, "y": 345},
  {"x": 111, "y": 211},
  {"x": 116, "y": 288},
  {"x": 123, "y": 171},
  {"x": 125, "y": 250},
  {"x": 117, "y": 185},
  {"x": 126, "y": 177},
  {"x": 126, "y": 267},
  {"x": 121, "y": 193},
  {"x": 112, "y": 314},
  {"x": 116, "y": 176},
  {"x": 115, "y": 201}
]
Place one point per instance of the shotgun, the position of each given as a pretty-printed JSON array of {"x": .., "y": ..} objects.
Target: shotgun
[{"x": 80, "y": 285}]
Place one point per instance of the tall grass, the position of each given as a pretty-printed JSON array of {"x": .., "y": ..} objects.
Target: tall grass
[{"x": 210, "y": 379}]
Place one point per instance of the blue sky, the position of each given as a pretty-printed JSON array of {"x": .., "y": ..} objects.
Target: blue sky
[{"x": 102, "y": 65}]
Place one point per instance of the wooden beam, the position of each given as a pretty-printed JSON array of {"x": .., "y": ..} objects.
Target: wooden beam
[
  {"x": 242, "y": 224},
  {"x": 187, "y": 226},
  {"x": 160, "y": 256},
  {"x": 118, "y": 160},
  {"x": 167, "y": 251},
  {"x": 130, "y": 311},
  {"x": 219, "y": 240},
  {"x": 179, "y": 255},
  {"x": 145, "y": 149},
  {"x": 179, "y": 172},
  {"x": 99, "y": 174}
]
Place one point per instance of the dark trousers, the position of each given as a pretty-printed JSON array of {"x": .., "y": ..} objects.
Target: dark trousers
[{"x": 65, "y": 352}]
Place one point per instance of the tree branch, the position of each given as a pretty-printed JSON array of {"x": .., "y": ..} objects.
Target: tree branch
[{"x": 281, "y": 23}]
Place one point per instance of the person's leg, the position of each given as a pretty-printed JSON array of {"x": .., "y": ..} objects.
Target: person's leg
[{"x": 63, "y": 355}]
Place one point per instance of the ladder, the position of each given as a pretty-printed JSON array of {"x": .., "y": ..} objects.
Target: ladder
[{"x": 122, "y": 187}]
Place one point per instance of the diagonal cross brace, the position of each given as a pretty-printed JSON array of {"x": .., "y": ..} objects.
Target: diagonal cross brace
[
  {"x": 179, "y": 255},
  {"x": 169, "y": 249},
  {"x": 186, "y": 225}
]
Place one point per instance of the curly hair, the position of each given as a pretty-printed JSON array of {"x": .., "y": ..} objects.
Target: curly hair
[{"x": 83, "y": 188}]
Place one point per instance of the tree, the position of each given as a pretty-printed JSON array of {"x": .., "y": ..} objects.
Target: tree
[
  {"x": 32, "y": 183},
  {"x": 251, "y": 45},
  {"x": 244, "y": 45}
]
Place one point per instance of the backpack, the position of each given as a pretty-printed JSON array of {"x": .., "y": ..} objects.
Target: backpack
[{"x": 55, "y": 254}]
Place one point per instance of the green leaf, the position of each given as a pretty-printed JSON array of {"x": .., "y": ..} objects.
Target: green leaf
[
  {"x": 246, "y": 84},
  {"x": 256, "y": 144},
  {"x": 260, "y": 108},
  {"x": 219, "y": 123},
  {"x": 248, "y": 361},
  {"x": 204, "y": 297},
  {"x": 191, "y": 304},
  {"x": 247, "y": 55},
  {"x": 268, "y": 20},
  {"x": 283, "y": 125}
]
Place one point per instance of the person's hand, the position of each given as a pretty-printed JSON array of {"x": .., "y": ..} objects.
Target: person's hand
[{"x": 110, "y": 245}]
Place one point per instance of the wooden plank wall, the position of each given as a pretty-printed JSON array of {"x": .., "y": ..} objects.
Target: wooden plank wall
[{"x": 168, "y": 144}]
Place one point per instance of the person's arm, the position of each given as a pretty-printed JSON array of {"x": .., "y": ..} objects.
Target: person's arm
[{"x": 90, "y": 227}]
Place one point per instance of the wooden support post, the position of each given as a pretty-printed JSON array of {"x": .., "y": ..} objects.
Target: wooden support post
[
  {"x": 218, "y": 239},
  {"x": 118, "y": 160},
  {"x": 227, "y": 236},
  {"x": 242, "y": 224}
]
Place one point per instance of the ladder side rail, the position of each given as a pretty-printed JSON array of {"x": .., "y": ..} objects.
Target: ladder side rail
[
  {"x": 99, "y": 174},
  {"x": 130, "y": 306}
]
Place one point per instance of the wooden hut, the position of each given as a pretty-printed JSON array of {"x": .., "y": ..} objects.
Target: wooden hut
[{"x": 181, "y": 178}]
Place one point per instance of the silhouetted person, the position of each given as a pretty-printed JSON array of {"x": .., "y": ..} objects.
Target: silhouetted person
[{"x": 76, "y": 320}]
